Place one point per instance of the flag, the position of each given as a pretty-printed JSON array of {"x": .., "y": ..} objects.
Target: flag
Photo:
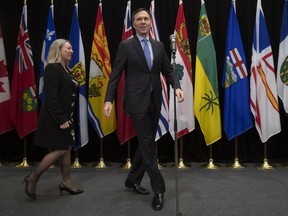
[
  {"x": 183, "y": 72},
  {"x": 263, "y": 90},
  {"x": 23, "y": 105},
  {"x": 50, "y": 36},
  {"x": 282, "y": 72},
  {"x": 125, "y": 128},
  {"x": 163, "y": 125},
  {"x": 235, "y": 81},
  {"x": 100, "y": 70},
  {"x": 206, "y": 97},
  {"x": 77, "y": 63},
  {"x": 6, "y": 123}
]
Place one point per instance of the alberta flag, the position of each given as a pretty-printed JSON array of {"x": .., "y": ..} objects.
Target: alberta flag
[
  {"x": 125, "y": 128},
  {"x": 23, "y": 104},
  {"x": 206, "y": 97},
  {"x": 100, "y": 70},
  {"x": 282, "y": 69},
  {"x": 50, "y": 36},
  {"x": 237, "y": 114},
  {"x": 77, "y": 65},
  {"x": 163, "y": 125},
  {"x": 263, "y": 92}
]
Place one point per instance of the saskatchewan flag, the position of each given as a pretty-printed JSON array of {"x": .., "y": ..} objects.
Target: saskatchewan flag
[{"x": 206, "y": 97}]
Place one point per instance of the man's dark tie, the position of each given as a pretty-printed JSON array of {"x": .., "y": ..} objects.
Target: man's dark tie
[{"x": 147, "y": 52}]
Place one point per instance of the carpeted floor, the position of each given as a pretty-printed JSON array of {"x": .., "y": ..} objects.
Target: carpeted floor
[{"x": 202, "y": 192}]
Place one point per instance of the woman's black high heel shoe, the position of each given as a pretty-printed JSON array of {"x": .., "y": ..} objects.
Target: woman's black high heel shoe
[
  {"x": 62, "y": 187},
  {"x": 31, "y": 195}
]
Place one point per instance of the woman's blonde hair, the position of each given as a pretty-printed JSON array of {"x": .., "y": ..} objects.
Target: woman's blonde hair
[{"x": 54, "y": 55}]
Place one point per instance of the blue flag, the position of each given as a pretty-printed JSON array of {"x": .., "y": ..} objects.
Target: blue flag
[
  {"x": 237, "y": 115},
  {"x": 50, "y": 36},
  {"x": 77, "y": 65}
]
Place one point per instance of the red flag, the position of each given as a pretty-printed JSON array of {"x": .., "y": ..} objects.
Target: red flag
[
  {"x": 125, "y": 128},
  {"x": 6, "y": 123},
  {"x": 23, "y": 104}
]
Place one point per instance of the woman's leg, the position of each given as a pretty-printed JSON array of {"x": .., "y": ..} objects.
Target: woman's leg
[{"x": 46, "y": 162}]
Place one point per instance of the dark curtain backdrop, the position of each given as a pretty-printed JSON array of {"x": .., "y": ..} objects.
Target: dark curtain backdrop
[{"x": 194, "y": 148}]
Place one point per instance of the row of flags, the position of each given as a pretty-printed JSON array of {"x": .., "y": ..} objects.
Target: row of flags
[{"x": 245, "y": 97}]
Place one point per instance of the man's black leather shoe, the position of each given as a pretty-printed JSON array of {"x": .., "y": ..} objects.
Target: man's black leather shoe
[
  {"x": 158, "y": 202},
  {"x": 136, "y": 188}
]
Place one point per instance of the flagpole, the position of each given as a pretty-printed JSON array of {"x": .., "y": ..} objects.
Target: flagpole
[
  {"x": 24, "y": 163},
  {"x": 127, "y": 165},
  {"x": 211, "y": 164},
  {"x": 173, "y": 56},
  {"x": 101, "y": 164},
  {"x": 182, "y": 165},
  {"x": 236, "y": 164},
  {"x": 265, "y": 165},
  {"x": 76, "y": 164}
]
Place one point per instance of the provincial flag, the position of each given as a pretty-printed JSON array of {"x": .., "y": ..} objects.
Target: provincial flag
[
  {"x": 100, "y": 70},
  {"x": 163, "y": 125},
  {"x": 77, "y": 65},
  {"x": 235, "y": 81},
  {"x": 282, "y": 69},
  {"x": 206, "y": 97},
  {"x": 6, "y": 123},
  {"x": 183, "y": 70},
  {"x": 125, "y": 128},
  {"x": 23, "y": 105},
  {"x": 50, "y": 36},
  {"x": 263, "y": 90}
]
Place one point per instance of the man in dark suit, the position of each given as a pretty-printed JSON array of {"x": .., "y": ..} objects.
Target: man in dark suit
[{"x": 142, "y": 59}]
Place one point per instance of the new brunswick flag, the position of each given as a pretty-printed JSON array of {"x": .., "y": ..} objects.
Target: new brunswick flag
[
  {"x": 100, "y": 70},
  {"x": 23, "y": 106},
  {"x": 206, "y": 97}
]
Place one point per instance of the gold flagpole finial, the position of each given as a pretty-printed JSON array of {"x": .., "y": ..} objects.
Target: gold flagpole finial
[
  {"x": 25, "y": 1},
  {"x": 52, "y": 2}
]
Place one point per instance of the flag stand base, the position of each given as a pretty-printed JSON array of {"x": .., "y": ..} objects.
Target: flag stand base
[
  {"x": 265, "y": 165},
  {"x": 236, "y": 165},
  {"x": 211, "y": 165},
  {"x": 182, "y": 165},
  {"x": 160, "y": 166},
  {"x": 101, "y": 164},
  {"x": 76, "y": 164},
  {"x": 126, "y": 165},
  {"x": 23, "y": 164}
]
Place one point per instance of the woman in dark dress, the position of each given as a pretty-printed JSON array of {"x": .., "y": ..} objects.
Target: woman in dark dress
[{"x": 55, "y": 127}]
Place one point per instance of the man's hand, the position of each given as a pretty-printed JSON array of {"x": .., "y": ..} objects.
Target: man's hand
[
  {"x": 107, "y": 109},
  {"x": 180, "y": 95}
]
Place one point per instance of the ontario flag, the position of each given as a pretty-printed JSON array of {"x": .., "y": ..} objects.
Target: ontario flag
[
  {"x": 125, "y": 128},
  {"x": 263, "y": 93},
  {"x": 282, "y": 69},
  {"x": 77, "y": 64},
  {"x": 6, "y": 123},
  {"x": 237, "y": 114},
  {"x": 50, "y": 36},
  {"x": 23, "y": 106},
  {"x": 206, "y": 97},
  {"x": 183, "y": 70},
  {"x": 100, "y": 70},
  {"x": 163, "y": 125}
]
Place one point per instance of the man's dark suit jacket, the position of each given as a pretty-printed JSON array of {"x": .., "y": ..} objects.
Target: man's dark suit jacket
[{"x": 138, "y": 78}]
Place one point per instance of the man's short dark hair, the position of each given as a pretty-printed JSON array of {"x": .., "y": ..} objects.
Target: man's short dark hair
[{"x": 139, "y": 10}]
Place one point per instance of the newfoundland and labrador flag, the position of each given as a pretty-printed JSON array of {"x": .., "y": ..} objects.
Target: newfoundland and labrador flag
[
  {"x": 23, "y": 105},
  {"x": 237, "y": 114},
  {"x": 263, "y": 93}
]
